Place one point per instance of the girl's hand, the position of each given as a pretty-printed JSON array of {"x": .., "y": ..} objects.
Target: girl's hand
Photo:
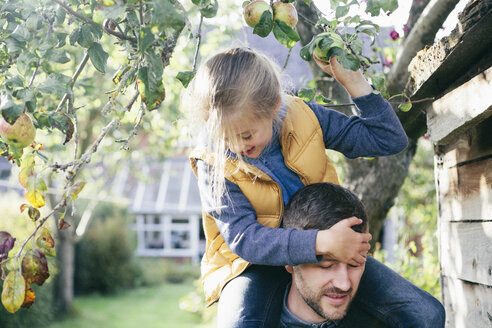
[
  {"x": 355, "y": 83},
  {"x": 343, "y": 243}
]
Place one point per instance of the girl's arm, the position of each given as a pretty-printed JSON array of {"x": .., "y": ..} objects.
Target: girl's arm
[
  {"x": 251, "y": 240},
  {"x": 377, "y": 131}
]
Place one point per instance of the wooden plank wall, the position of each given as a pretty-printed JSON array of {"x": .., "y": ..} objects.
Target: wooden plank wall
[{"x": 464, "y": 194}]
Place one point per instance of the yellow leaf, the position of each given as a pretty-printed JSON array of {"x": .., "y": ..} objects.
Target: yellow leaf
[
  {"x": 26, "y": 169},
  {"x": 108, "y": 3},
  {"x": 14, "y": 291},
  {"x": 35, "y": 198}
]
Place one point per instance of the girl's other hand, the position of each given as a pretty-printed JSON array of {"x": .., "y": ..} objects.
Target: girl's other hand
[{"x": 343, "y": 243}]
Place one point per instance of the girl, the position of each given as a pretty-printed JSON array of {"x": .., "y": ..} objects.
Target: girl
[{"x": 257, "y": 147}]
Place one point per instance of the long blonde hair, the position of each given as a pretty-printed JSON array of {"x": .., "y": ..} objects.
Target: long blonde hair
[{"x": 238, "y": 83}]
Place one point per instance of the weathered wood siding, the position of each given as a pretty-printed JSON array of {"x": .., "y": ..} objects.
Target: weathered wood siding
[{"x": 464, "y": 194}]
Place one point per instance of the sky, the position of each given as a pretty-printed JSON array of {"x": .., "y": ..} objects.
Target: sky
[{"x": 399, "y": 17}]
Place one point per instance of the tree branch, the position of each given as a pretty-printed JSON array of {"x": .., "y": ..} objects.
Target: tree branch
[
  {"x": 198, "y": 43},
  {"x": 423, "y": 33},
  {"x": 74, "y": 79},
  {"x": 76, "y": 14}
]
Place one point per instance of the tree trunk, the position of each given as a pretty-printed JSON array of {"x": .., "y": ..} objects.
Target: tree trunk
[
  {"x": 65, "y": 254},
  {"x": 378, "y": 181}
]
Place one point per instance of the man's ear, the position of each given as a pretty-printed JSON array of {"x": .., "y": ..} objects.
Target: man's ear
[{"x": 289, "y": 269}]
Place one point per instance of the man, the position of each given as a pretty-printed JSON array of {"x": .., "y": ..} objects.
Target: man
[{"x": 323, "y": 294}]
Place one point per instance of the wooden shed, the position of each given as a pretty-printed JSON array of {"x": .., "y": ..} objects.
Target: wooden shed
[{"x": 456, "y": 73}]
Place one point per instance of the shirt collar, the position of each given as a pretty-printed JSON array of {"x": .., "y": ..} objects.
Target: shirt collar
[{"x": 288, "y": 319}]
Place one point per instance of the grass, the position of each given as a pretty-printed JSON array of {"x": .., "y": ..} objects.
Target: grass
[{"x": 147, "y": 307}]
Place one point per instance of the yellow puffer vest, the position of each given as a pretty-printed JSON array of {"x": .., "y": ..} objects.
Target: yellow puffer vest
[{"x": 303, "y": 149}]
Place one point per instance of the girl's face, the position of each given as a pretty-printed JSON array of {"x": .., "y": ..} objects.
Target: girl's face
[{"x": 251, "y": 137}]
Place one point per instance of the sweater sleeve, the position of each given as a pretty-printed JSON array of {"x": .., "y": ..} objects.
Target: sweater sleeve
[
  {"x": 377, "y": 131},
  {"x": 251, "y": 240}
]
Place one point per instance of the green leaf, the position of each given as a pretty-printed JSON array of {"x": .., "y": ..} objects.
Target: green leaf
[
  {"x": 62, "y": 39},
  {"x": 14, "y": 290},
  {"x": 375, "y": 6},
  {"x": 265, "y": 25},
  {"x": 210, "y": 9},
  {"x": 15, "y": 81},
  {"x": 145, "y": 39},
  {"x": 166, "y": 15},
  {"x": 341, "y": 11},
  {"x": 14, "y": 45},
  {"x": 28, "y": 97},
  {"x": 60, "y": 16},
  {"x": 367, "y": 23},
  {"x": 98, "y": 57},
  {"x": 74, "y": 36},
  {"x": 285, "y": 34},
  {"x": 307, "y": 51},
  {"x": 57, "y": 56},
  {"x": 370, "y": 33},
  {"x": 378, "y": 82},
  {"x": 306, "y": 94},
  {"x": 55, "y": 120},
  {"x": 356, "y": 46},
  {"x": 322, "y": 100},
  {"x": 349, "y": 61},
  {"x": 185, "y": 77},
  {"x": 25, "y": 62},
  {"x": 151, "y": 89},
  {"x": 55, "y": 83},
  {"x": 64, "y": 124},
  {"x": 10, "y": 110},
  {"x": 86, "y": 37}
]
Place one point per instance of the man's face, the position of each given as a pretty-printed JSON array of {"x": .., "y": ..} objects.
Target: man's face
[{"x": 324, "y": 290}]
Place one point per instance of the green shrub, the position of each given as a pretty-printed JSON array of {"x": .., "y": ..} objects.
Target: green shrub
[
  {"x": 155, "y": 270},
  {"x": 105, "y": 260}
]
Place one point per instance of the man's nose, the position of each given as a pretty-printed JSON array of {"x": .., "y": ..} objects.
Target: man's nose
[{"x": 341, "y": 278}]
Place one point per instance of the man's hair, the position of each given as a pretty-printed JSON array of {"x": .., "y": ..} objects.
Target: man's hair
[{"x": 322, "y": 205}]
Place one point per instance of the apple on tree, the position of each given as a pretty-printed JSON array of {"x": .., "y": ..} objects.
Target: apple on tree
[
  {"x": 325, "y": 42},
  {"x": 254, "y": 10},
  {"x": 20, "y": 134},
  {"x": 285, "y": 12}
]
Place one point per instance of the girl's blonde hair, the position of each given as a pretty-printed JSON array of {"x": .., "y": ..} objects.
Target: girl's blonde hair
[{"x": 238, "y": 84}]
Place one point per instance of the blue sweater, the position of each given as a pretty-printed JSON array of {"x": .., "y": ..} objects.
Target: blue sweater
[{"x": 375, "y": 132}]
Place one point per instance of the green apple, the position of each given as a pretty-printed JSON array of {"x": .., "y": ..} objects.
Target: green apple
[
  {"x": 254, "y": 10},
  {"x": 285, "y": 12},
  {"x": 321, "y": 54},
  {"x": 20, "y": 134},
  {"x": 333, "y": 40}
]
